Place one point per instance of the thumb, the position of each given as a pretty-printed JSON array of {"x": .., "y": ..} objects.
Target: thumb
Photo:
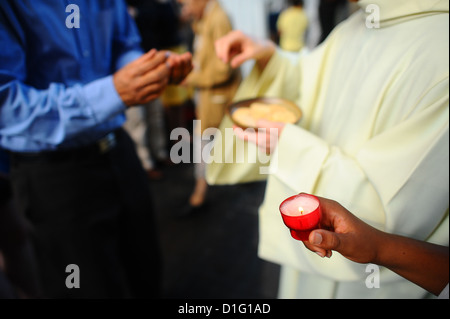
[
  {"x": 325, "y": 239},
  {"x": 263, "y": 123},
  {"x": 246, "y": 135},
  {"x": 239, "y": 59}
]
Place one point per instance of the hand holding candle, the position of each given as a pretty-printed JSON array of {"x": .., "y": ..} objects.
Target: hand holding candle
[{"x": 301, "y": 214}]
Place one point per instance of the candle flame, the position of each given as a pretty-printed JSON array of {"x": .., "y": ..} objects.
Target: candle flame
[{"x": 301, "y": 210}]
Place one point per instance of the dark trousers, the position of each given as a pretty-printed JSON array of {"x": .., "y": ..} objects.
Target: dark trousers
[
  {"x": 19, "y": 279},
  {"x": 91, "y": 208}
]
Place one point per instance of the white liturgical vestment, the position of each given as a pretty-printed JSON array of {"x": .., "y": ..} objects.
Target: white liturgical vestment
[{"x": 374, "y": 137}]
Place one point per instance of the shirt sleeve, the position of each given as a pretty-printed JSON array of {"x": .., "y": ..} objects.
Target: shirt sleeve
[{"x": 33, "y": 120}]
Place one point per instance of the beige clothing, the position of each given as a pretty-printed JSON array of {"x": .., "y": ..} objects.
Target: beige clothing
[
  {"x": 374, "y": 137},
  {"x": 216, "y": 81}
]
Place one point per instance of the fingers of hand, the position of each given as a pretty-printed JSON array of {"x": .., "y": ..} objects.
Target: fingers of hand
[
  {"x": 246, "y": 135},
  {"x": 180, "y": 65},
  {"x": 150, "y": 63},
  {"x": 265, "y": 138},
  {"x": 323, "y": 242},
  {"x": 239, "y": 59},
  {"x": 145, "y": 57},
  {"x": 143, "y": 77},
  {"x": 262, "y": 123},
  {"x": 229, "y": 47},
  {"x": 319, "y": 251},
  {"x": 158, "y": 75},
  {"x": 222, "y": 49},
  {"x": 152, "y": 92}
]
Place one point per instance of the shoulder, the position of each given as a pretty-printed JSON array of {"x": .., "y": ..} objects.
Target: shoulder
[
  {"x": 218, "y": 18},
  {"x": 218, "y": 12}
]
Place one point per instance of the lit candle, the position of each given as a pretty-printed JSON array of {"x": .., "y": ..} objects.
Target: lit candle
[{"x": 301, "y": 214}]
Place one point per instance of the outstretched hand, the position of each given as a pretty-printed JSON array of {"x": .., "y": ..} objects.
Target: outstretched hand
[
  {"x": 180, "y": 66},
  {"x": 423, "y": 263},
  {"x": 265, "y": 136},
  {"x": 343, "y": 232},
  {"x": 236, "y": 48},
  {"x": 145, "y": 78}
]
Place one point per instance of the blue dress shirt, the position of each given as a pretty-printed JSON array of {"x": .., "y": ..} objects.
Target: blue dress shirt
[{"x": 56, "y": 86}]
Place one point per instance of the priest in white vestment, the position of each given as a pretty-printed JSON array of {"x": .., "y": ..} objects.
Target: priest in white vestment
[{"x": 374, "y": 136}]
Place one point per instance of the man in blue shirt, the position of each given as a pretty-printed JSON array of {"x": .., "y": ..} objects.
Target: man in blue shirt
[{"x": 68, "y": 71}]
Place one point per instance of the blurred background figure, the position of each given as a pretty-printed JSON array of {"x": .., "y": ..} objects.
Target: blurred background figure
[
  {"x": 274, "y": 9},
  {"x": 215, "y": 82},
  {"x": 292, "y": 24},
  {"x": 138, "y": 127},
  {"x": 177, "y": 37},
  {"x": 149, "y": 125}
]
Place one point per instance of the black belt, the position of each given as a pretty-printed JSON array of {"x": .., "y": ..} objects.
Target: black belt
[{"x": 102, "y": 146}]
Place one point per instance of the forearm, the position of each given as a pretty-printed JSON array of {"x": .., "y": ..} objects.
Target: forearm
[
  {"x": 34, "y": 120},
  {"x": 422, "y": 263},
  {"x": 425, "y": 264},
  {"x": 266, "y": 55}
]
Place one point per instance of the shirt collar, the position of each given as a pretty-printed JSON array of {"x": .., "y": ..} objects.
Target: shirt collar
[{"x": 396, "y": 11}]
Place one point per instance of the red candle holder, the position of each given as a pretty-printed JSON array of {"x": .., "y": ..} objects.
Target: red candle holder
[{"x": 301, "y": 214}]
